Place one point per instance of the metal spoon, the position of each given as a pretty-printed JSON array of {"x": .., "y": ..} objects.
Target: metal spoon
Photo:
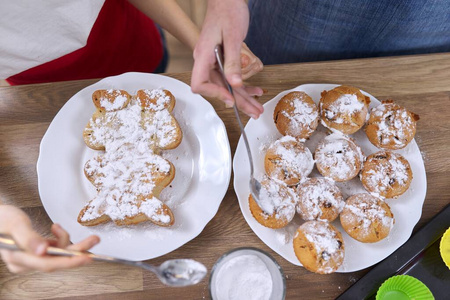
[
  {"x": 174, "y": 272},
  {"x": 255, "y": 185}
]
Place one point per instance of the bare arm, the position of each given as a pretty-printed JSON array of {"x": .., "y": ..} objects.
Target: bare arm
[{"x": 171, "y": 17}]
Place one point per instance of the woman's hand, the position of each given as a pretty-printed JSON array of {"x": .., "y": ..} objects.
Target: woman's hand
[
  {"x": 16, "y": 223},
  {"x": 226, "y": 23},
  {"x": 250, "y": 63}
]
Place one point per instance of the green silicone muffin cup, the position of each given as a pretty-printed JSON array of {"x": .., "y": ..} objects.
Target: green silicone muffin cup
[{"x": 403, "y": 287}]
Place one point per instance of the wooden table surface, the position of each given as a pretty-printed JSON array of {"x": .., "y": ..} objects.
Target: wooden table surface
[{"x": 421, "y": 83}]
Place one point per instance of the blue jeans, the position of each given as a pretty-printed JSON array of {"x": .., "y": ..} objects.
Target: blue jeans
[{"x": 287, "y": 31}]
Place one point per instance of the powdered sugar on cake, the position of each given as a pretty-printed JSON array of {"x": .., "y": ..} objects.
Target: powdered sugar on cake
[
  {"x": 340, "y": 156},
  {"x": 367, "y": 211},
  {"x": 125, "y": 173},
  {"x": 346, "y": 104},
  {"x": 394, "y": 125},
  {"x": 324, "y": 240},
  {"x": 275, "y": 197},
  {"x": 383, "y": 174},
  {"x": 297, "y": 159},
  {"x": 302, "y": 116}
]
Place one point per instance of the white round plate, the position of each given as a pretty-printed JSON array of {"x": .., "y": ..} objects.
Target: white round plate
[
  {"x": 202, "y": 162},
  {"x": 407, "y": 209}
]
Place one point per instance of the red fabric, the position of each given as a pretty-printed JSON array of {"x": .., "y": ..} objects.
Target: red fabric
[{"x": 122, "y": 40}]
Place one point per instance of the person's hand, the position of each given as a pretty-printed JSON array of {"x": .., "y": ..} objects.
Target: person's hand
[
  {"x": 250, "y": 63},
  {"x": 226, "y": 23},
  {"x": 16, "y": 223}
]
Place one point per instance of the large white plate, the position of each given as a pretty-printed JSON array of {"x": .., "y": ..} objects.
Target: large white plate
[
  {"x": 202, "y": 162},
  {"x": 407, "y": 209}
]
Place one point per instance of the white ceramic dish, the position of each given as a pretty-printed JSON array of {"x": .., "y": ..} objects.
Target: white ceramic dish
[
  {"x": 202, "y": 162},
  {"x": 407, "y": 209}
]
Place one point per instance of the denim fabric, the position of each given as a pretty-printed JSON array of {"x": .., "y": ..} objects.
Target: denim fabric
[{"x": 285, "y": 31}]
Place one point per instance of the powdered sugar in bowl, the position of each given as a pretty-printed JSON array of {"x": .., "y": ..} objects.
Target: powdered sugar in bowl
[{"x": 247, "y": 273}]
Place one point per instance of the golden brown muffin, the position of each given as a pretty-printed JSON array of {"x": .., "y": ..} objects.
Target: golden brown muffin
[
  {"x": 296, "y": 115},
  {"x": 386, "y": 174},
  {"x": 338, "y": 157},
  {"x": 344, "y": 108},
  {"x": 366, "y": 218},
  {"x": 391, "y": 126},
  {"x": 319, "y": 247},
  {"x": 288, "y": 160},
  {"x": 278, "y": 203},
  {"x": 319, "y": 199}
]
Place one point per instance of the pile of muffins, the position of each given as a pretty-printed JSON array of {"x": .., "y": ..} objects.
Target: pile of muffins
[{"x": 287, "y": 189}]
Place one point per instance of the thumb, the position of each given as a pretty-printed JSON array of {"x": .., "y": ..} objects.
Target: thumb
[
  {"x": 28, "y": 239},
  {"x": 232, "y": 57}
]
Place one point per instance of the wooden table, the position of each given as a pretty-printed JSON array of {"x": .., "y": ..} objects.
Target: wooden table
[{"x": 421, "y": 83}]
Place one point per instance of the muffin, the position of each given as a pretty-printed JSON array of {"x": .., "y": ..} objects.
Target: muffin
[
  {"x": 319, "y": 247},
  {"x": 277, "y": 204},
  {"x": 288, "y": 160},
  {"x": 391, "y": 126},
  {"x": 344, "y": 108},
  {"x": 296, "y": 115},
  {"x": 319, "y": 199},
  {"x": 338, "y": 157},
  {"x": 366, "y": 218},
  {"x": 386, "y": 174}
]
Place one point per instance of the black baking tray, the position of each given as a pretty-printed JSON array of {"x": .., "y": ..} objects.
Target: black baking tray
[{"x": 418, "y": 257}]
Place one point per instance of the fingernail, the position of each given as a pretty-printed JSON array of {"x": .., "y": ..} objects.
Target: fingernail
[
  {"x": 40, "y": 249},
  {"x": 236, "y": 79},
  {"x": 253, "y": 116},
  {"x": 228, "y": 103}
]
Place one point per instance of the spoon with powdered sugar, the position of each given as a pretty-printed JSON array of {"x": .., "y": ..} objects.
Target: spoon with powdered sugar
[{"x": 174, "y": 272}]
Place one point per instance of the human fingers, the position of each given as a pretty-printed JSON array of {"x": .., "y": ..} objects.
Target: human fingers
[
  {"x": 247, "y": 104},
  {"x": 13, "y": 268},
  {"x": 251, "y": 64},
  {"x": 23, "y": 261},
  {"x": 85, "y": 244},
  {"x": 18, "y": 225},
  {"x": 254, "y": 91},
  {"x": 204, "y": 79},
  {"x": 232, "y": 60},
  {"x": 62, "y": 237}
]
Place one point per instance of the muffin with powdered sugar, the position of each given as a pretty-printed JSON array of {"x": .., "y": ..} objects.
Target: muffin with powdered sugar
[
  {"x": 319, "y": 199},
  {"x": 288, "y": 160},
  {"x": 366, "y": 218},
  {"x": 343, "y": 108},
  {"x": 387, "y": 174},
  {"x": 391, "y": 126},
  {"x": 319, "y": 247},
  {"x": 296, "y": 115},
  {"x": 338, "y": 157},
  {"x": 277, "y": 204}
]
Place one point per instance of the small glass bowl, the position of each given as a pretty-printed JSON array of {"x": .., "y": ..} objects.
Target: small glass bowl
[{"x": 278, "y": 280}]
